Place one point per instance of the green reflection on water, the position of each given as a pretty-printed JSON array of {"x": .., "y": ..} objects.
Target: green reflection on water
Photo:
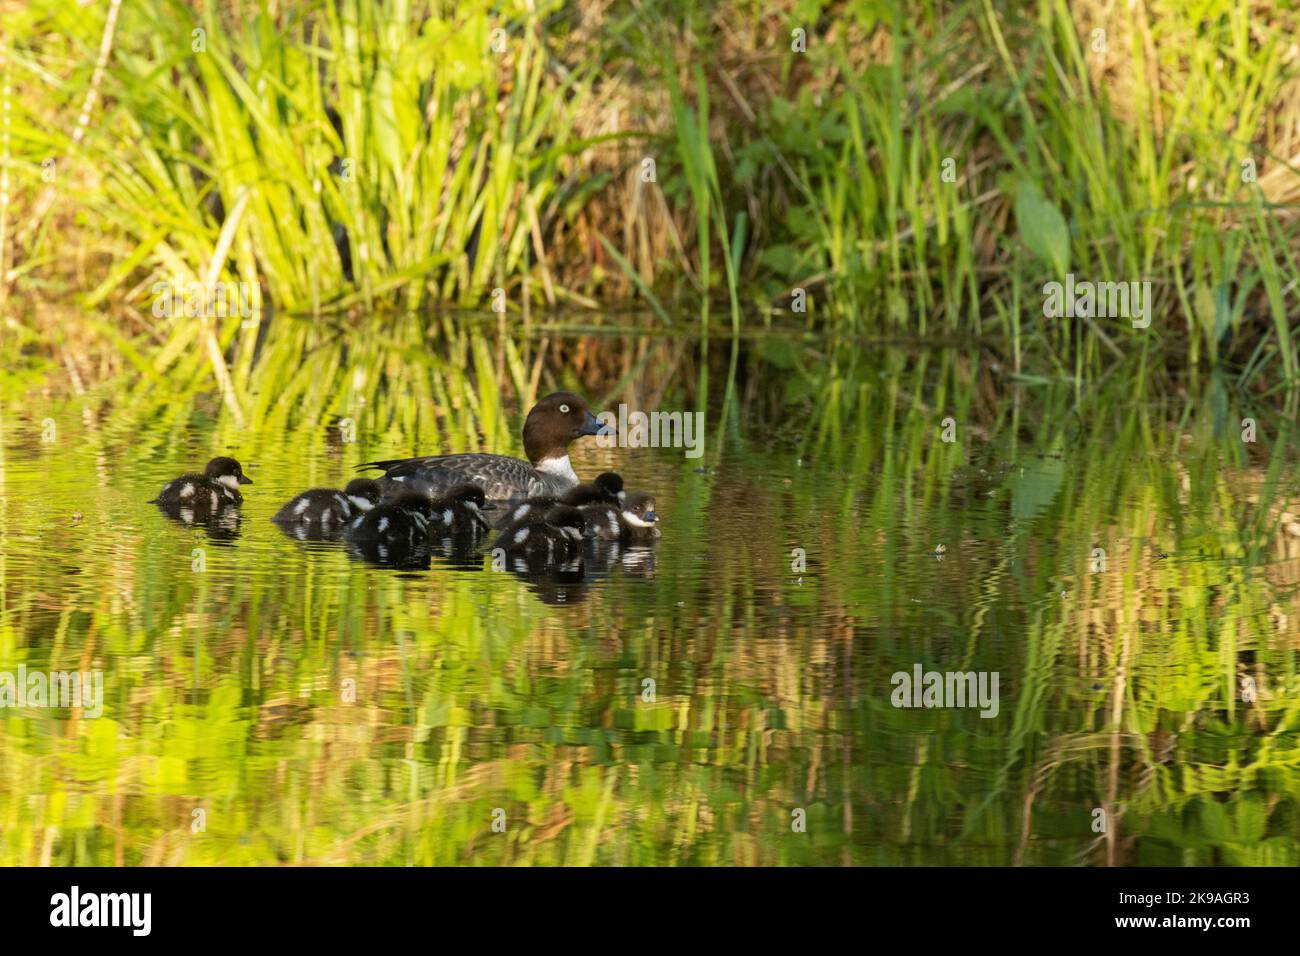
[{"x": 319, "y": 710}]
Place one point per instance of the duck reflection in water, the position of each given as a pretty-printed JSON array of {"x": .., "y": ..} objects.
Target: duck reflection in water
[
  {"x": 398, "y": 555},
  {"x": 635, "y": 560},
  {"x": 556, "y": 584},
  {"x": 220, "y": 524}
]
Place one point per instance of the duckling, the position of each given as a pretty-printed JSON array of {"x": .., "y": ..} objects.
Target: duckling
[
  {"x": 599, "y": 503},
  {"x": 458, "y": 514},
  {"x": 323, "y": 510},
  {"x": 603, "y": 521},
  {"x": 608, "y": 488},
  {"x": 400, "y": 522},
  {"x": 536, "y": 506},
  {"x": 217, "y": 487},
  {"x": 554, "y": 537},
  {"x": 638, "y": 519}
]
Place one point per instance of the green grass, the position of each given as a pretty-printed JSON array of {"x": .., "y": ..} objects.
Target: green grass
[{"x": 919, "y": 171}]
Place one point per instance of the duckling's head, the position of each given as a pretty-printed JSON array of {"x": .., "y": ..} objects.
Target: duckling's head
[
  {"x": 606, "y": 489},
  {"x": 364, "y": 493},
  {"x": 611, "y": 484},
  {"x": 227, "y": 471},
  {"x": 552, "y": 424},
  {"x": 467, "y": 493},
  {"x": 639, "y": 510}
]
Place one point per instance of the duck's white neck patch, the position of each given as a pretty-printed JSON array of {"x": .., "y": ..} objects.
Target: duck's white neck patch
[
  {"x": 361, "y": 504},
  {"x": 558, "y": 468},
  {"x": 230, "y": 481}
]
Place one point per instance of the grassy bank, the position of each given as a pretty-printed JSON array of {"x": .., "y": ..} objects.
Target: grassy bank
[{"x": 914, "y": 169}]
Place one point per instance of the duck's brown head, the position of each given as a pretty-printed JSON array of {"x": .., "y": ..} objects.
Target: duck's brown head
[{"x": 553, "y": 423}]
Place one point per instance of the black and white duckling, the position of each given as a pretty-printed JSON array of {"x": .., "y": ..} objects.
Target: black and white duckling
[
  {"x": 603, "y": 521},
  {"x": 607, "y": 488},
  {"x": 400, "y": 522},
  {"x": 552, "y": 537},
  {"x": 328, "y": 510},
  {"x": 536, "y": 506},
  {"x": 217, "y": 487},
  {"x": 551, "y": 425},
  {"x": 637, "y": 520},
  {"x": 458, "y": 514}
]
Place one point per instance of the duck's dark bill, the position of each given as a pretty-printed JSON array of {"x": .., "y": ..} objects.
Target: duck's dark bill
[{"x": 592, "y": 426}]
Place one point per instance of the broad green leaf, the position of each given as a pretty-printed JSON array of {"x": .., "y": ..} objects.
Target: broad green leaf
[{"x": 1042, "y": 227}]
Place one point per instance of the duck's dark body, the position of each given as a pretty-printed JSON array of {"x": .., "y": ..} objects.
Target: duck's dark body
[
  {"x": 552, "y": 424},
  {"x": 500, "y": 477}
]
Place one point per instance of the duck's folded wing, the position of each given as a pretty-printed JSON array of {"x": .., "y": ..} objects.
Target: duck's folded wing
[{"x": 498, "y": 475}]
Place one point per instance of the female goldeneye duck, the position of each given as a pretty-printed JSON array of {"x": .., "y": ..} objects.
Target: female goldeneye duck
[
  {"x": 459, "y": 513},
  {"x": 553, "y": 537},
  {"x": 552, "y": 424},
  {"x": 328, "y": 509},
  {"x": 638, "y": 518},
  {"x": 608, "y": 487},
  {"x": 402, "y": 521},
  {"x": 216, "y": 487}
]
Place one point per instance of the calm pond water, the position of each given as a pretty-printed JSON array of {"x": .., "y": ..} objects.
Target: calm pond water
[{"x": 1127, "y": 569}]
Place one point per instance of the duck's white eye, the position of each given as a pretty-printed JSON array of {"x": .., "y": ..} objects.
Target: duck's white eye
[{"x": 564, "y": 409}]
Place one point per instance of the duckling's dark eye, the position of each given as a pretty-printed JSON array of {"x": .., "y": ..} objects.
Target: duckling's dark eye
[{"x": 564, "y": 409}]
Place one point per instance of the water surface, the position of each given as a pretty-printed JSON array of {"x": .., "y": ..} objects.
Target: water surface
[{"x": 724, "y": 698}]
